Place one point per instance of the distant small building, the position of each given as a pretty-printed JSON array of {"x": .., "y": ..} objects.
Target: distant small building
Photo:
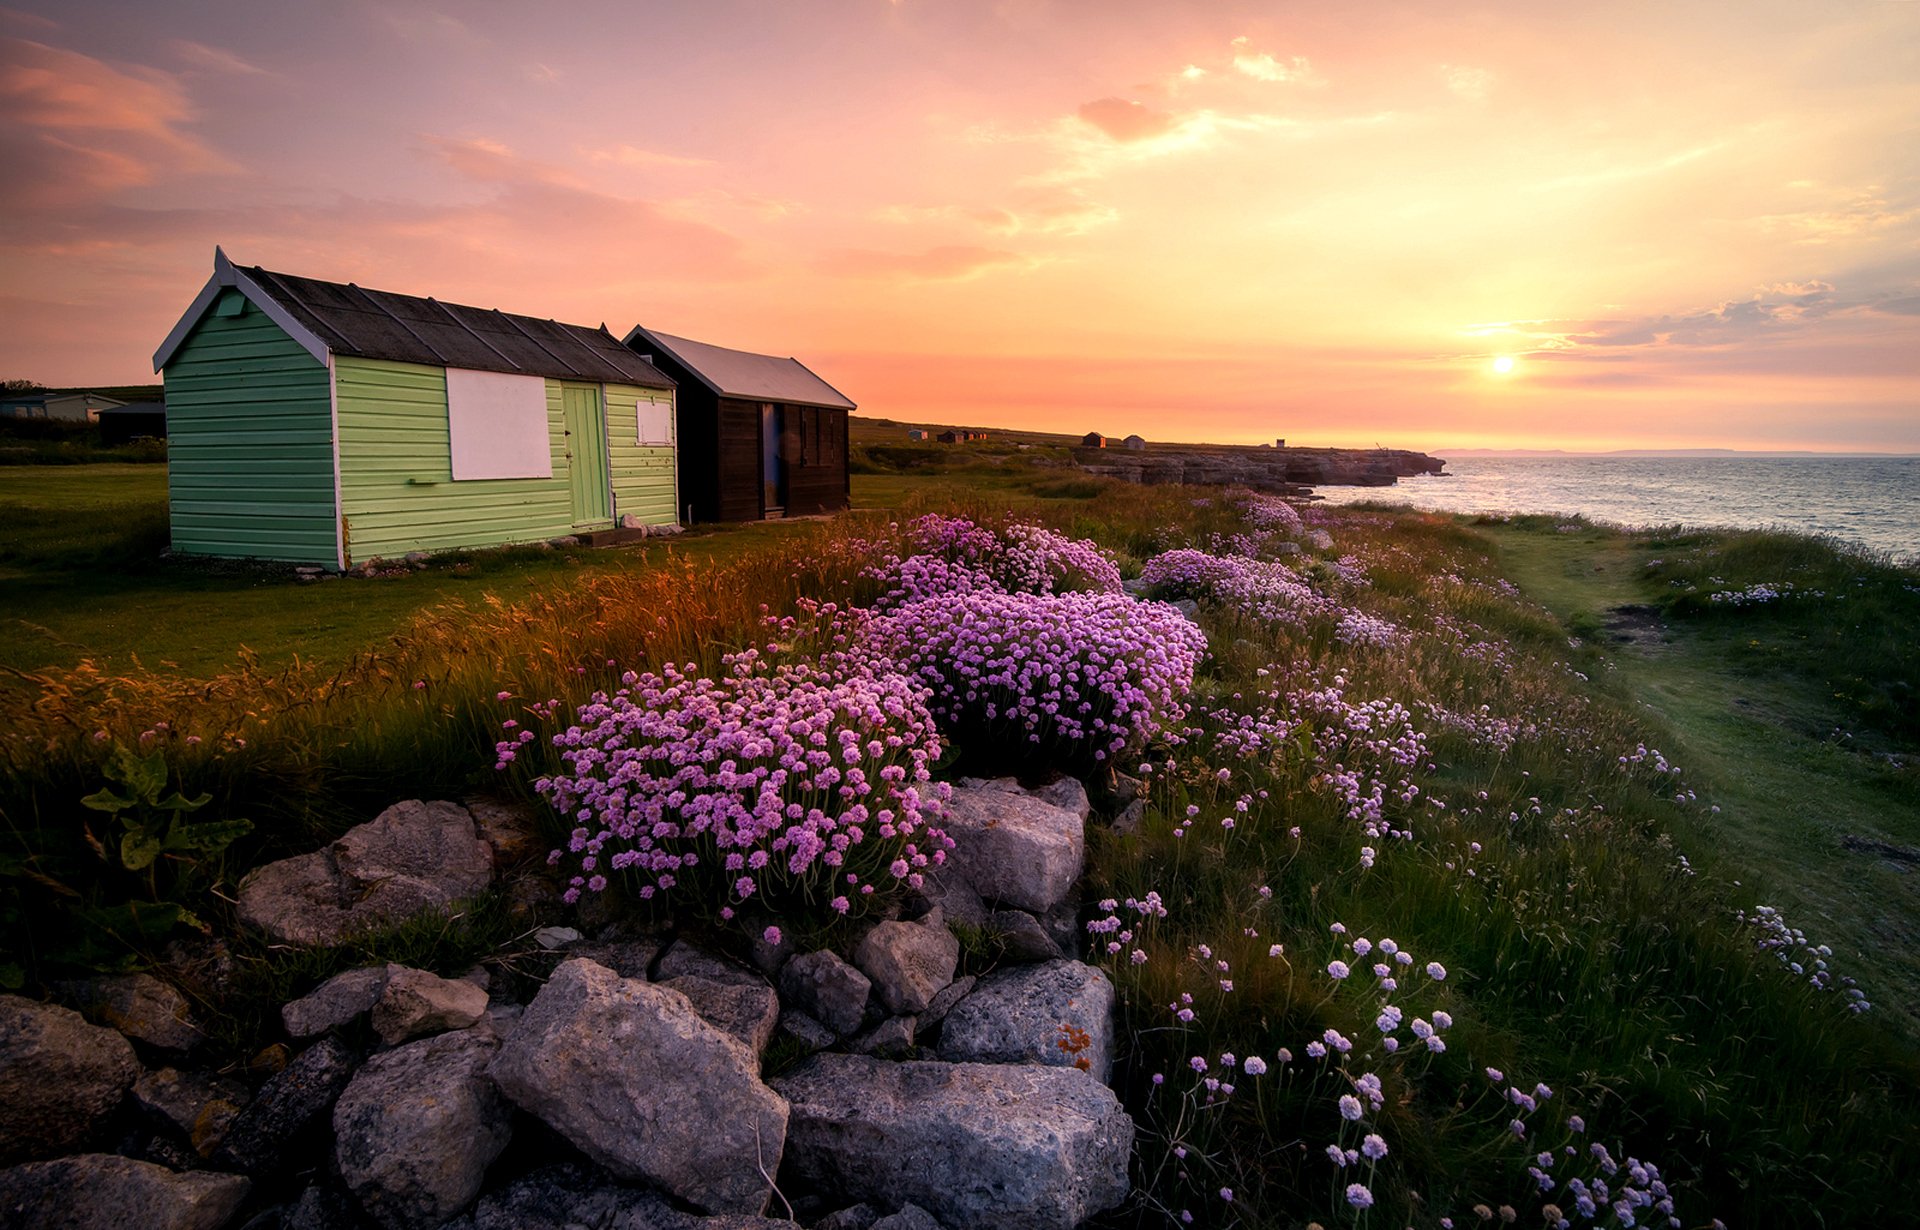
[
  {"x": 950, "y": 437},
  {"x": 1280, "y": 443},
  {"x": 915, "y": 433},
  {"x": 1135, "y": 443},
  {"x": 134, "y": 421},
  {"x": 1093, "y": 439}
]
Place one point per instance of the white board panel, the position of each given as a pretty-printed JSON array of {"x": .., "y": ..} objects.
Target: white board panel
[
  {"x": 497, "y": 425},
  {"x": 653, "y": 423}
]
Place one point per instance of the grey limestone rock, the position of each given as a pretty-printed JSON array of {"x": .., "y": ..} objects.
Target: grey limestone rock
[
  {"x": 686, "y": 960},
  {"x": 98, "y": 1191},
  {"x": 59, "y": 1076},
  {"x": 1068, "y": 794},
  {"x": 259, "y": 1138},
  {"x": 415, "y": 1002},
  {"x": 910, "y": 1217},
  {"x": 1015, "y": 848},
  {"x": 196, "y": 1105},
  {"x": 418, "y": 1126},
  {"x": 908, "y": 962},
  {"x": 567, "y": 1196},
  {"x": 633, "y": 1077},
  {"x": 140, "y": 1006},
  {"x": 1059, "y": 1013},
  {"x": 979, "y": 1146},
  {"x": 334, "y": 1002},
  {"x": 1021, "y": 937},
  {"x": 750, "y": 1013},
  {"x": 412, "y": 859},
  {"x": 890, "y": 1039},
  {"x": 827, "y": 989},
  {"x": 806, "y": 1031},
  {"x": 943, "y": 1003}
]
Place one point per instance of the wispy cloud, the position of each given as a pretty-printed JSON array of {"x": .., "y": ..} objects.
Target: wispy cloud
[
  {"x": 213, "y": 59},
  {"x": 1263, "y": 66},
  {"x": 946, "y": 263}
]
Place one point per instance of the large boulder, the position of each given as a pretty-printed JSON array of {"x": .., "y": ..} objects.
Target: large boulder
[
  {"x": 979, "y": 1146},
  {"x": 417, "y": 1128},
  {"x": 827, "y": 989},
  {"x": 640, "y": 1083},
  {"x": 909, "y": 962},
  {"x": 414, "y": 858},
  {"x": 416, "y": 1002},
  {"x": 59, "y": 1076},
  {"x": 1058, "y": 1013},
  {"x": 296, "y": 1098},
  {"x": 98, "y": 1191},
  {"x": 335, "y": 1002},
  {"x": 1014, "y": 848},
  {"x": 140, "y": 1006}
]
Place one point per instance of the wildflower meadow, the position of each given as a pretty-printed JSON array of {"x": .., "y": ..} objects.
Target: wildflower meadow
[{"x": 1412, "y": 921}]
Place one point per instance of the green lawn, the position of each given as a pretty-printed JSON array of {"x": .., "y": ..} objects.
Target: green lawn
[
  {"x": 82, "y": 576},
  {"x": 1762, "y": 745}
]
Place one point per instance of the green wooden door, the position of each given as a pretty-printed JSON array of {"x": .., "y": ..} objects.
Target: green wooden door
[{"x": 587, "y": 476}]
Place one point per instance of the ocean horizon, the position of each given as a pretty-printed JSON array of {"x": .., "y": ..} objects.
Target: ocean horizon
[{"x": 1869, "y": 501}]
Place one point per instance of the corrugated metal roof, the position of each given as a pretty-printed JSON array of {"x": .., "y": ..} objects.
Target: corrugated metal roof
[
  {"x": 378, "y": 324},
  {"x": 742, "y": 373}
]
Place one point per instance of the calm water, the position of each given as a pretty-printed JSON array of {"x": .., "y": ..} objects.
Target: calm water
[{"x": 1872, "y": 501}]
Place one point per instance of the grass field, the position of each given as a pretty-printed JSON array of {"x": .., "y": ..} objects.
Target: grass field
[{"x": 1462, "y": 735}]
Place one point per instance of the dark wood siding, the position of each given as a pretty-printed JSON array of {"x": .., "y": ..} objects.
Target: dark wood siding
[{"x": 720, "y": 451}]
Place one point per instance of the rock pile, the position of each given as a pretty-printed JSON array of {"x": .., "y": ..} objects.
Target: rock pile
[{"x": 629, "y": 1090}]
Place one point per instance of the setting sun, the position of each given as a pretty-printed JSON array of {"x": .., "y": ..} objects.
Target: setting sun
[{"x": 1503, "y": 365}]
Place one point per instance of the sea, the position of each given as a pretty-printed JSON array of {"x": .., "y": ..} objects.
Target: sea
[{"x": 1872, "y": 502}]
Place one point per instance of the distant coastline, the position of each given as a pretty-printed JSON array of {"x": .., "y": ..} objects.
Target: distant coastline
[{"x": 1704, "y": 453}]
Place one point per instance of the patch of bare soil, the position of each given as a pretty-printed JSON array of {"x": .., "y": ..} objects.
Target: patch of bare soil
[{"x": 1638, "y": 626}]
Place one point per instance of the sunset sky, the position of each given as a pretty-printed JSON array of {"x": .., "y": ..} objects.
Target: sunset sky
[{"x": 1674, "y": 225}]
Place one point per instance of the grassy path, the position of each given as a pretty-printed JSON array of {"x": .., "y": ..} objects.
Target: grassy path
[{"x": 1768, "y": 748}]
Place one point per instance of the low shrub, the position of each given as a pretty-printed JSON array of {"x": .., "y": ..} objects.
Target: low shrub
[
  {"x": 792, "y": 786},
  {"x": 1025, "y": 681}
]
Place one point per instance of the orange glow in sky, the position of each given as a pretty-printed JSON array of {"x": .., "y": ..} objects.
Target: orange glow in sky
[{"x": 1428, "y": 226}]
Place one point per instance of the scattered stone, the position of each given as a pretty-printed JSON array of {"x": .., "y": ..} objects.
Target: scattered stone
[
  {"x": 1063, "y": 925},
  {"x": 417, "y": 1128},
  {"x": 1059, "y": 1014},
  {"x": 627, "y": 958},
  {"x": 749, "y": 1013},
  {"x": 686, "y": 960},
  {"x": 947, "y": 891},
  {"x": 1131, "y": 817},
  {"x": 335, "y": 1002},
  {"x": 320, "y": 1208},
  {"x": 909, "y": 963},
  {"x": 1188, "y": 608},
  {"x": 979, "y": 1146},
  {"x": 259, "y": 1137},
  {"x": 569, "y": 1196},
  {"x": 807, "y": 1031},
  {"x": 1021, "y": 937},
  {"x": 565, "y": 540},
  {"x": 826, "y": 988},
  {"x": 943, "y": 1003},
  {"x": 98, "y": 1191},
  {"x": 59, "y": 1076},
  {"x": 853, "y": 1217},
  {"x": 1125, "y": 788},
  {"x": 140, "y": 1006},
  {"x": 1319, "y": 540},
  {"x": 666, "y": 531},
  {"x": 1286, "y": 548},
  {"x": 197, "y": 1105},
  {"x": 1068, "y": 794},
  {"x": 769, "y": 959},
  {"x": 1137, "y": 587},
  {"x": 551, "y": 938},
  {"x": 910, "y": 1217},
  {"x": 634, "y": 1078},
  {"x": 415, "y": 1002},
  {"x": 890, "y": 1039},
  {"x": 413, "y": 858},
  {"x": 510, "y": 828},
  {"x": 1014, "y": 848}
]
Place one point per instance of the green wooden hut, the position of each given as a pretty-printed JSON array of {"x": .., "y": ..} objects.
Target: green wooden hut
[{"x": 323, "y": 423}]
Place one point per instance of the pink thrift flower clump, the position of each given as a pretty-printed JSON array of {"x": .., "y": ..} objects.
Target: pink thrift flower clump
[
  {"x": 1067, "y": 679},
  {"x": 767, "y": 782},
  {"x": 952, "y": 555}
]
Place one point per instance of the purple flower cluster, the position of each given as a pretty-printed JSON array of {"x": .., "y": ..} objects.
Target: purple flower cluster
[
  {"x": 768, "y": 782},
  {"x": 950, "y": 555},
  {"x": 1069, "y": 678},
  {"x": 1266, "y": 589},
  {"x": 1359, "y": 628},
  {"x": 1798, "y": 957}
]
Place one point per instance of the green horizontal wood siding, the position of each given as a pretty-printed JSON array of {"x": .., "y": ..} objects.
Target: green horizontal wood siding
[
  {"x": 396, "y": 470},
  {"x": 397, "y": 492},
  {"x": 250, "y": 441},
  {"x": 644, "y": 480}
]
